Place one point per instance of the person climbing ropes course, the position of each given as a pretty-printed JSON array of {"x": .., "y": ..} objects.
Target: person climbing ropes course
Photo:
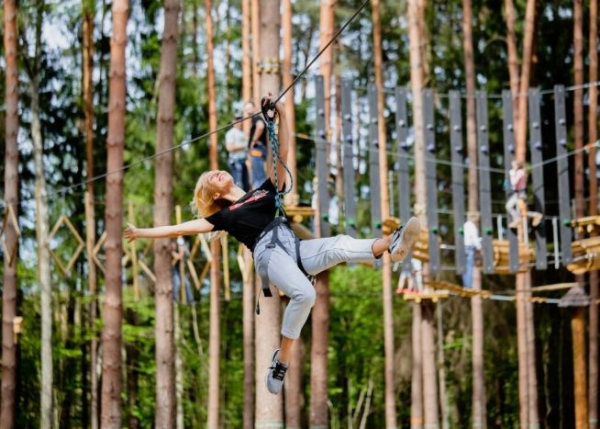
[{"x": 257, "y": 219}]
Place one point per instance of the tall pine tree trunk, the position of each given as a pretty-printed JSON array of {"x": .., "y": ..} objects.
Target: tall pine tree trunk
[
  {"x": 256, "y": 54},
  {"x": 248, "y": 276},
  {"x": 513, "y": 55},
  {"x": 293, "y": 387},
  {"x": 11, "y": 196},
  {"x": 579, "y": 364},
  {"x": 578, "y": 108},
  {"x": 269, "y": 408},
  {"x": 526, "y": 65},
  {"x": 246, "y": 55},
  {"x": 288, "y": 77},
  {"x": 88, "y": 109},
  {"x": 416, "y": 384},
  {"x": 42, "y": 227},
  {"x": 327, "y": 28},
  {"x": 478, "y": 401},
  {"x": 163, "y": 199},
  {"x": 112, "y": 364},
  {"x": 215, "y": 266},
  {"x": 416, "y": 84},
  {"x": 388, "y": 314},
  {"x": 320, "y": 312},
  {"x": 429, "y": 386},
  {"x": 593, "y": 136}
]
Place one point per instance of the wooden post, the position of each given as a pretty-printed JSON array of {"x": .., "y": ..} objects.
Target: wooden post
[
  {"x": 579, "y": 368},
  {"x": 578, "y": 300}
]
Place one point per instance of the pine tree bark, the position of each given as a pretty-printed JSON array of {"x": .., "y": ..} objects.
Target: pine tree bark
[
  {"x": 246, "y": 55},
  {"x": 256, "y": 53},
  {"x": 113, "y": 308},
  {"x": 293, "y": 385},
  {"x": 42, "y": 227},
  {"x": 248, "y": 276},
  {"x": 163, "y": 199},
  {"x": 416, "y": 84},
  {"x": 593, "y": 136},
  {"x": 293, "y": 388},
  {"x": 388, "y": 314},
  {"x": 288, "y": 78},
  {"x": 521, "y": 126},
  {"x": 88, "y": 109},
  {"x": 429, "y": 386},
  {"x": 513, "y": 55},
  {"x": 320, "y": 314},
  {"x": 416, "y": 385},
  {"x": 327, "y": 28},
  {"x": 269, "y": 408},
  {"x": 248, "y": 317},
  {"x": 579, "y": 371},
  {"x": 319, "y": 416},
  {"x": 478, "y": 401},
  {"x": 215, "y": 266},
  {"x": 11, "y": 196},
  {"x": 577, "y": 322},
  {"x": 578, "y": 108}
]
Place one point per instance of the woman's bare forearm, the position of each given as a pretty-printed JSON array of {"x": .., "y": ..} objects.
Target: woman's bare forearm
[{"x": 193, "y": 227}]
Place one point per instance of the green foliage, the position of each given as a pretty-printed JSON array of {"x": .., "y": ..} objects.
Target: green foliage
[{"x": 356, "y": 340}]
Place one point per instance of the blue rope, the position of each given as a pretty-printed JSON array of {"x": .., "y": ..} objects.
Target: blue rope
[{"x": 277, "y": 157}]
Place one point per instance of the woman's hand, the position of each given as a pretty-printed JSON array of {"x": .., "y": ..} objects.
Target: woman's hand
[
  {"x": 268, "y": 100},
  {"x": 130, "y": 233}
]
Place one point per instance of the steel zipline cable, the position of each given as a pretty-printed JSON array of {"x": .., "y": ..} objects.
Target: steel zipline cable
[{"x": 66, "y": 189}]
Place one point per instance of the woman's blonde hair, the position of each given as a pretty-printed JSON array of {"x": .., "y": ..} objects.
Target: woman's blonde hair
[{"x": 203, "y": 204}]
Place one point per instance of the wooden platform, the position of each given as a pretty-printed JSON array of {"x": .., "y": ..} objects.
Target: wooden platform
[
  {"x": 298, "y": 213},
  {"x": 501, "y": 249},
  {"x": 418, "y": 297},
  {"x": 458, "y": 290},
  {"x": 589, "y": 224},
  {"x": 586, "y": 255}
]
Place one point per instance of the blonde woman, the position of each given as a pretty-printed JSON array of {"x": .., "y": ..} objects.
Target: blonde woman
[{"x": 280, "y": 257}]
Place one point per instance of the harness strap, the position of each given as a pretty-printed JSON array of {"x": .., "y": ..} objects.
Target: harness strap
[{"x": 275, "y": 241}]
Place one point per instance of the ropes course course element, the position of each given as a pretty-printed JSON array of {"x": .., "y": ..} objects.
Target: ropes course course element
[
  {"x": 66, "y": 189},
  {"x": 268, "y": 111}
]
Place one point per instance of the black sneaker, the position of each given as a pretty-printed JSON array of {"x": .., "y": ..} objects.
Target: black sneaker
[
  {"x": 403, "y": 239},
  {"x": 275, "y": 374}
]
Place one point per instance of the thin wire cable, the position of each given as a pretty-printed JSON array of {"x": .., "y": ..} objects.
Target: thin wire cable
[
  {"x": 66, "y": 189},
  {"x": 394, "y": 154}
]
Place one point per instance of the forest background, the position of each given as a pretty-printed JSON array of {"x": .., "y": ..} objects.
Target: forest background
[{"x": 51, "y": 52}]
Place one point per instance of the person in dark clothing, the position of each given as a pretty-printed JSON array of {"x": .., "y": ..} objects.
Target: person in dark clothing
[
  {"x": 280, "y": 257},
  {"x": 257, "y": 145}
]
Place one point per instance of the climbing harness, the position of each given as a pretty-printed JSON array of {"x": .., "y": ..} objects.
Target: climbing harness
[{"x": 270, "y": 247}]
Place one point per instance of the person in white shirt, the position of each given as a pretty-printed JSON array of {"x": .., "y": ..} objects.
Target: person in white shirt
[
  {"x": 236, "y": 144},
  {"x": 472, "y": 245}
]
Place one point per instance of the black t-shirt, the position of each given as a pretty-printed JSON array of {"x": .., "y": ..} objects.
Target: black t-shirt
[
  {"x": 263, "y": 137},
  {"x": 247, "y": 217}
]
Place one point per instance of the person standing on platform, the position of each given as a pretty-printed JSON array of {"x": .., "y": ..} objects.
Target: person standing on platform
[
  {"x": 472, "y": 245},
  {"x": 516, "y": 206},
  {"x": 237, "y": 147},
  {"x": 257, "y": 145}
]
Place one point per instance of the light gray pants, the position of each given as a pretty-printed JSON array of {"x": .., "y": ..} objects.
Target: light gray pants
[{"x": 317, "y": 255}]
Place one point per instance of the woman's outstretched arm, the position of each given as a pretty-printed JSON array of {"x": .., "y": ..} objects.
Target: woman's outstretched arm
[{"x": 193, "y": 227}]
